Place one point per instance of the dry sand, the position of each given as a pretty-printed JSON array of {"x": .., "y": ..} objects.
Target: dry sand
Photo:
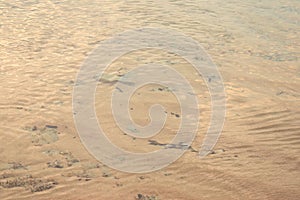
[{"x": 255, "y": 45}]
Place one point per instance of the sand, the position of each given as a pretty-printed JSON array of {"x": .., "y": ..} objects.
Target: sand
[{"x": 253, "y": 43}]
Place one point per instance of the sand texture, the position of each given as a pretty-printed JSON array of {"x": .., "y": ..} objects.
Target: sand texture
[{"x": 255, "y": 45}]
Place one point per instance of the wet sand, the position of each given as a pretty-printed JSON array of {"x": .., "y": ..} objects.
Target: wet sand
[{"x": 255, "y": 46}]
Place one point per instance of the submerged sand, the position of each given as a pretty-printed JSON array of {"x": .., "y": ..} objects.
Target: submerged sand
[{"x": 255, "y": 46}]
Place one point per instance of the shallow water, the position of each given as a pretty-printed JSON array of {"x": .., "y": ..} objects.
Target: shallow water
[{"x": 254, "y": 44}]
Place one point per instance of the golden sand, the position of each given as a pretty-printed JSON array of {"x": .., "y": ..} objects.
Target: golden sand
[{"x": 254, "y": 44}]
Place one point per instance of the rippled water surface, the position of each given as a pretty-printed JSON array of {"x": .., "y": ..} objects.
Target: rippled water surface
[{"x": 255, "y": 45}]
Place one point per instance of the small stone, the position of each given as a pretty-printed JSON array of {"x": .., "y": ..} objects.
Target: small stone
[
  {"x": 105, "y": 174},
  {"x": 279, "y": 93},
  {"x": 71, "y": 82},
  {"x": 51, "y": 126},
  {"x": 55, "y": 164},
  {"x": 119, "y": 184}
]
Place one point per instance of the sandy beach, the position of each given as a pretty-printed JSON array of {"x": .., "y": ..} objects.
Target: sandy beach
[{"x": 253, "y": 43}]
